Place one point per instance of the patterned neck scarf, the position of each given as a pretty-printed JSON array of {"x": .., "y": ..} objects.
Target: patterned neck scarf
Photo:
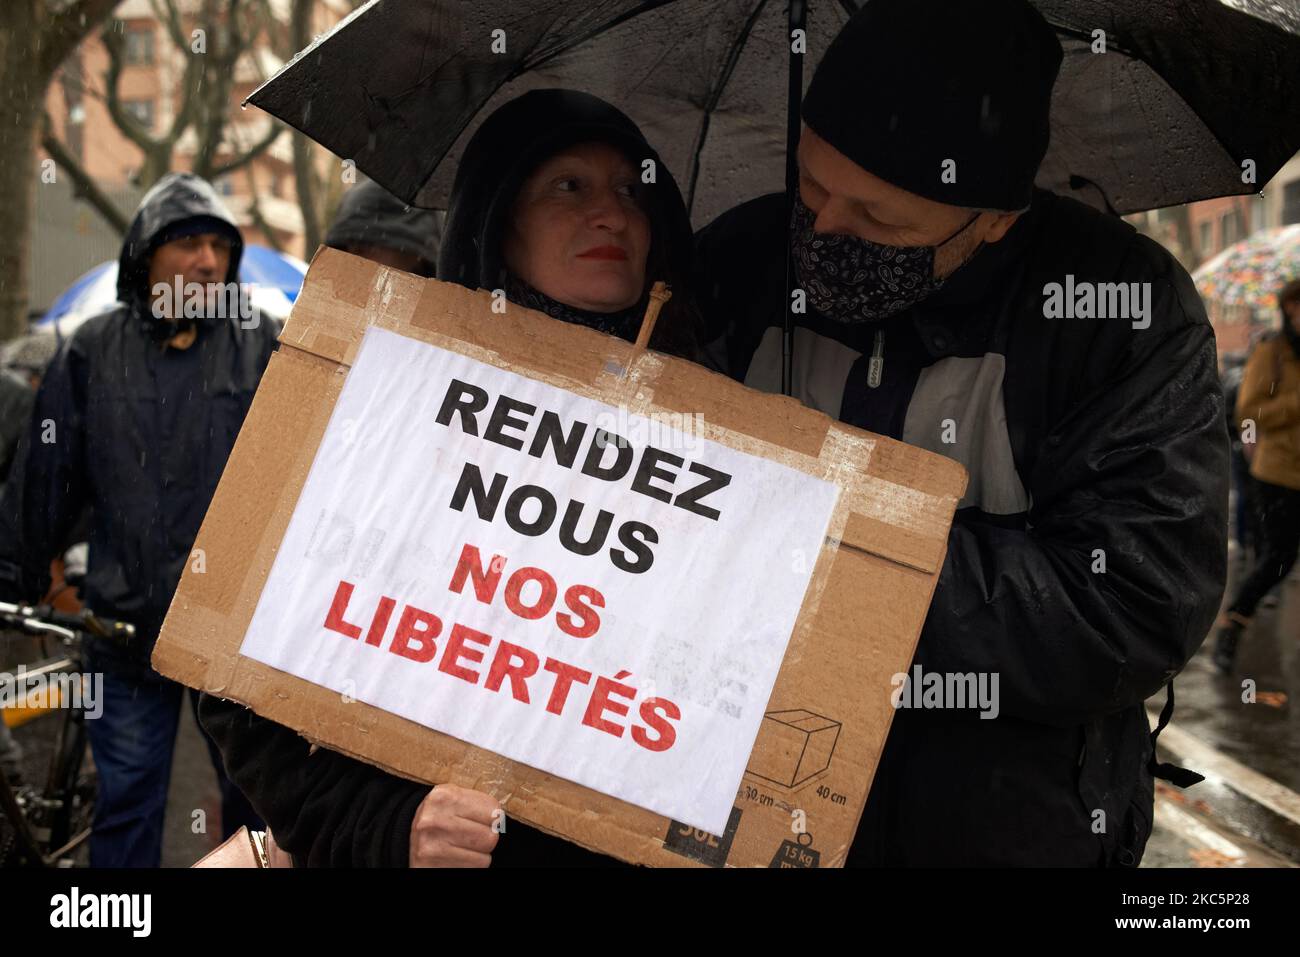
[{"x": 625, "y": 323}]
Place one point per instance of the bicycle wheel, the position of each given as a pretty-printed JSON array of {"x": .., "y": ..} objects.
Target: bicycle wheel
[
  {"x": 17, "y": 847},
  {"x": 71, "y": 784}
]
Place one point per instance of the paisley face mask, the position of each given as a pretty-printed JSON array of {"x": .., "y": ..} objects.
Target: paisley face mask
[{"x": 854, "y": 280}]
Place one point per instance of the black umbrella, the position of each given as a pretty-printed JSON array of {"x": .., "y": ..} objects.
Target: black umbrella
[
  {"x": 399, "y": 86},
  {"x": 1191, "y": 99},
  {"x": 1159, "y": 102}
]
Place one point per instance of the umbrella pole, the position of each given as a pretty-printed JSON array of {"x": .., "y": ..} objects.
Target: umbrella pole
[{"x": 798, "y": 18}]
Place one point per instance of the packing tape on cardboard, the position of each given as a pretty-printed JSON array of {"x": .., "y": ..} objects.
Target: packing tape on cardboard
[{"x": 894, "y": 521}]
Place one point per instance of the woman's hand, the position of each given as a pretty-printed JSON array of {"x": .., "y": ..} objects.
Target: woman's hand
[{"x": 453, "y": 827}]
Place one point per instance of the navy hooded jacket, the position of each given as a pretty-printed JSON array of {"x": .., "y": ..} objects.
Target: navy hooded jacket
[{"x": 137, "y": 432}]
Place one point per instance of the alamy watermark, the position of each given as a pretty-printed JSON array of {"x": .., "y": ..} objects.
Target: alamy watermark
[
  {"x": 667, "y": 431},
  {"x": 1098, "y": 300},
  {"x": 198, "y": 300},
  {"x": 946, "y": 690},
  {"x": 61, "y": 689},
  {"x": 74, "y": 909}
]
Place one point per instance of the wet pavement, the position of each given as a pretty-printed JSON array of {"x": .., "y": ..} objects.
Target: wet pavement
[
  {"x": 1243, "y": 732},
  {"x": 1245, "y": 814}
]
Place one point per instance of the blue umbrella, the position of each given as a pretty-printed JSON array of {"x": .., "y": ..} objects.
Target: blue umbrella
[
  {"x": 275, "y": 278},
  {"x": 271, "y": 270}
]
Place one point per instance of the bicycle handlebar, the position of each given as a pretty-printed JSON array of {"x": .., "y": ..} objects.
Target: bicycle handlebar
[{"x": 44, "y": 618}]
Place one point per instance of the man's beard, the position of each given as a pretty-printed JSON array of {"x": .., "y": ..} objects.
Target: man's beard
[{"x": 181, "y": 306}]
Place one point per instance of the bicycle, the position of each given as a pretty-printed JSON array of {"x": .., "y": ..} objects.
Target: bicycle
[{"x": 44, "y": 827}]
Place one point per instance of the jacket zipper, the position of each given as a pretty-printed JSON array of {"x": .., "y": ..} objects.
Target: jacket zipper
[{"x": 876, "y": 366}]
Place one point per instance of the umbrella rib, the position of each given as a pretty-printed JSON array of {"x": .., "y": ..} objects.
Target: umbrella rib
[
  {"x": 715, "y": 95},
  {"x": 1086, "y": 37},
  {"x": 645, "y": 7},
  {"x": 1138, "y": 58}
]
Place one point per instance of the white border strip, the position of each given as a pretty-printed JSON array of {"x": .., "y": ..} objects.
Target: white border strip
[{"x": 1199, "y": 756}]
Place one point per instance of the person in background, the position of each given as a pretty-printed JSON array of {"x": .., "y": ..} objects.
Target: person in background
[
  {"x": 1269, "y": 397},
  {"x": 22, "y": 363},
  {"x": 1245, "y": 533},
  {"x": 373, "y": 223},
  {"x": 134, "y": 419}
]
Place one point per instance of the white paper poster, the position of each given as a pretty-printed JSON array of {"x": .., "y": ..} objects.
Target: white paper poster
[{"x": 600, "y": 595}]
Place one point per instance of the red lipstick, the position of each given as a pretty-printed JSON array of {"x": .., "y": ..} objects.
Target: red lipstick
[{"x": 604, "y": 252}]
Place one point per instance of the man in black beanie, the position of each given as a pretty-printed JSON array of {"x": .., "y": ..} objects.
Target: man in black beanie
[{"x": 1063, "y": 359}]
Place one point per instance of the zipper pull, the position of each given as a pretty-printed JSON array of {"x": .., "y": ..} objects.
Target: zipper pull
[{"x": 876, "y": 367}]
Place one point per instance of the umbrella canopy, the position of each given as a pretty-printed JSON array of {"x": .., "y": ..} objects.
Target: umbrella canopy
[
  {"x": 1190, "y": 98},
  {"x": 275, "y": 278},
  {"x": 1251, "y": 272},
  {"x": 706, "y": 80}
]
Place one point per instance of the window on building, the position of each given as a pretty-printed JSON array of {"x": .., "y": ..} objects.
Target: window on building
[
  {"x": 1228, "y": 229},
  {"x": 1291, "y": 202},
  {"x": 1207, "y": 238},
  {"x": 1257, "y": 213},
  {"x": 139, "y": 47},
  {"x": 142, "y": 110}
]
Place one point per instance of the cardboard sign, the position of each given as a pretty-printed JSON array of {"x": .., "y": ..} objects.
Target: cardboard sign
[
  {"x": 648, "y": 609},
  {"x": 512, "y": 551}
]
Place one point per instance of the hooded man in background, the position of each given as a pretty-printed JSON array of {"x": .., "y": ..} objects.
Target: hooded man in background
[
  {"x": 374, "y": 224},
  {"x": 1087, "y": 558},
  {"x": 22, "y": 363},
  {"x": 135, "y": 418}
]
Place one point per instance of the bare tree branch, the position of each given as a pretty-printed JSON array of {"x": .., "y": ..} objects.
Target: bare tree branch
[
  {"x": 157, "y": 149},
  {"x": 304, "y": 171},
  {"x": 69, "y": 27},
  {"x": 255, "y": 213},
  {"x": 35, "y": 39},
  {"x": 228, "y": 45},
  {"x": 81, "y": 85},
  {"x": 195, "y": 70},
  {"x": 169, "y": 15},
  {"x": 114, "y": 42},
  {"x": 254, "y": 151},
  {"x": 84, "y": 187}
]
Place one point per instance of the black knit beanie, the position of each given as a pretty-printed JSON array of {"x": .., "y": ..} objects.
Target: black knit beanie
[{"x": 911, "y": 84}]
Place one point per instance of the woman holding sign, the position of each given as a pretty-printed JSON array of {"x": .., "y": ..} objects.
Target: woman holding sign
[{"x": 559, "y": 205}]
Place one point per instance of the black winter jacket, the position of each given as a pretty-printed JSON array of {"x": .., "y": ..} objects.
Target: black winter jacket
[
  {"x": 1087, "y": 441},
  {"x": 101, "y": 436}
]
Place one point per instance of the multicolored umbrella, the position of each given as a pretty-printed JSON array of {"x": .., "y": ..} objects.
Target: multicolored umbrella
[{"x": 1251, "y": 272}]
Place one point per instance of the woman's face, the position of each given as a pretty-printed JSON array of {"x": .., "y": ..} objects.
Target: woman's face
[{"x": 579, "y": 233}]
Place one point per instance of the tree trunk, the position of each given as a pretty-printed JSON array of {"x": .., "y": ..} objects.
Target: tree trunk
[
  {"x": 34, "y": 41},
  {"x": 22, "y": 105},
  {"x": 304, "y": 168}
]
